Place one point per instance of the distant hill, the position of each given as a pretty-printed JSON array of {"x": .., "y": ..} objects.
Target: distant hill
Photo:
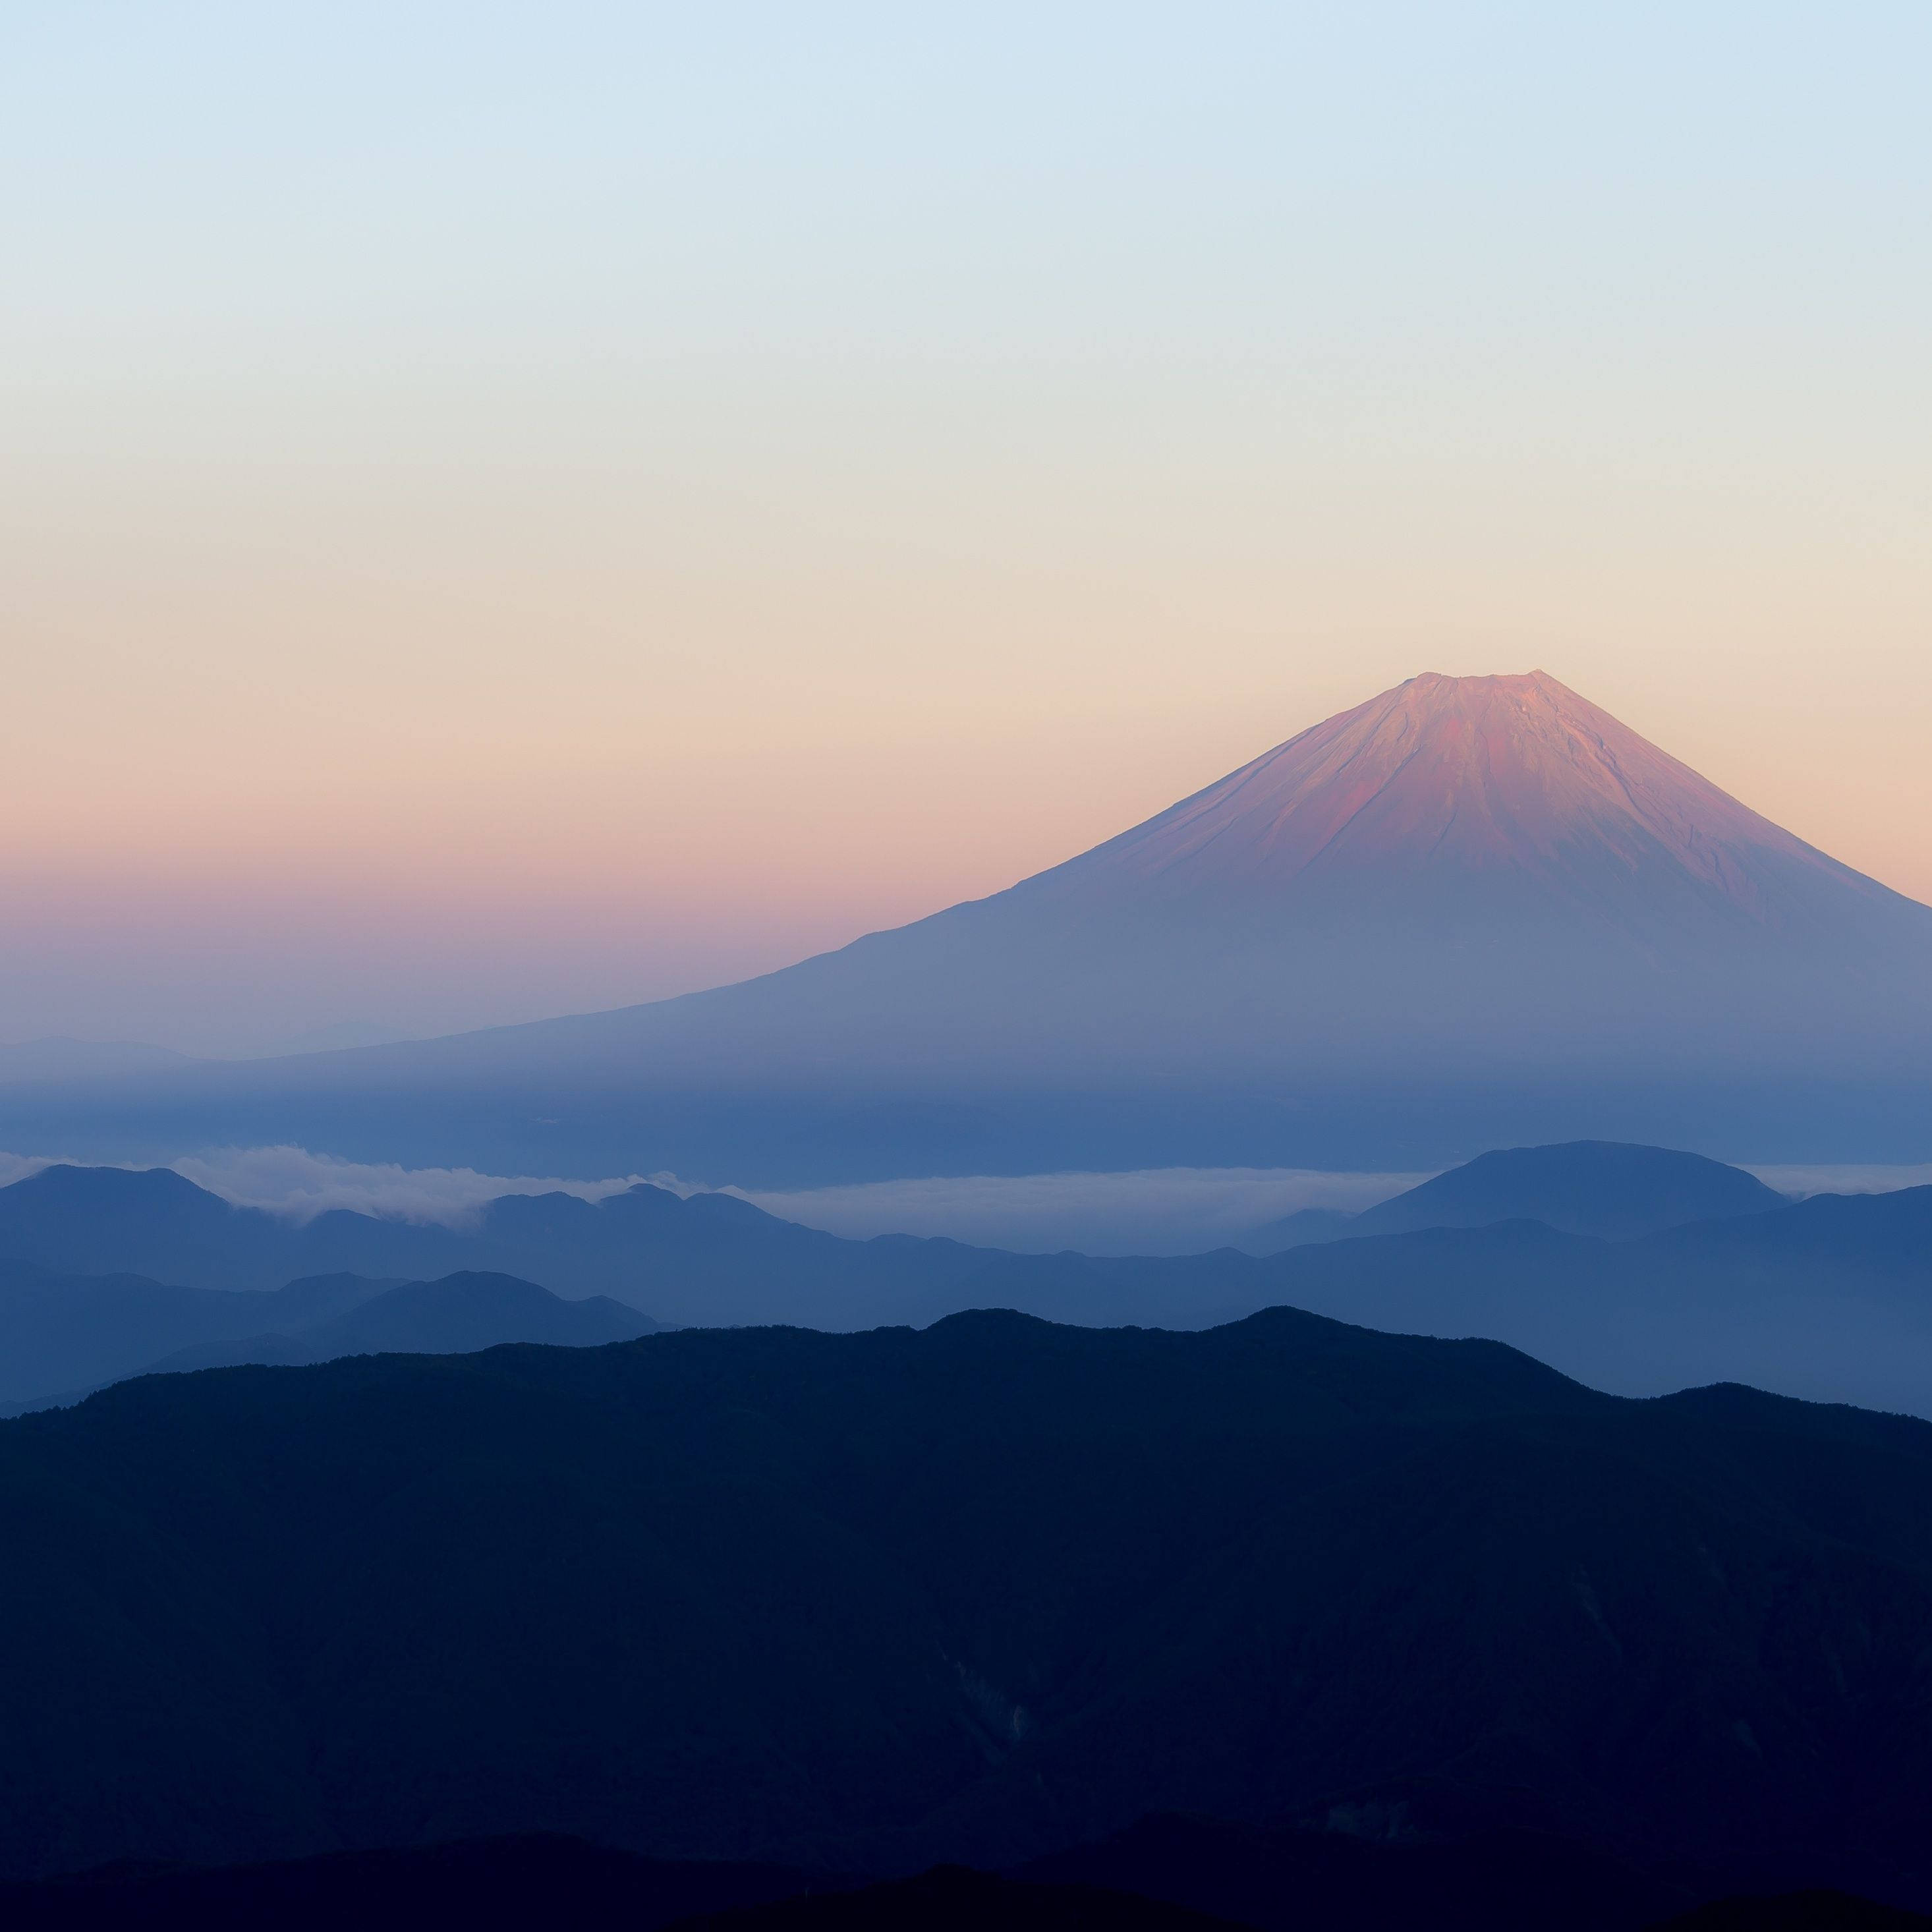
[
  {"x": 1306, "y": 1224},
  {"x": 1475, "y": 911},
  {"x": 1830, "y": 1298},
  {"x": 62, "y": 1335},
  {"x": 979, "y": 1593},
  {"x": 710, "y": 1257},
  {"x": 450, "y": 1317},
  {"x": 1581, "y": 1187}
]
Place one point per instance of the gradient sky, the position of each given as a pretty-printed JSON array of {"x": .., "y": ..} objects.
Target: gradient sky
[{"x": 507, "y": 509}]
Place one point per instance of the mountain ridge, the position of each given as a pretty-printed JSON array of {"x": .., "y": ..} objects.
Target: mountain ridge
[
  {"x": 1581, "y": 1187},
  {"x": 975, "y": 1593},
  {"x": 1830, "y": 1298}
]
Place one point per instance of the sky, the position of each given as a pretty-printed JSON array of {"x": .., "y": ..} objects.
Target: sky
[{"x": 506, "y": 511}]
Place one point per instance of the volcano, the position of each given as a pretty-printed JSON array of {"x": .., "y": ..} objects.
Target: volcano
[
  {"x": 1470, "y": 911},
  {"x": 1497, "y": 795}
]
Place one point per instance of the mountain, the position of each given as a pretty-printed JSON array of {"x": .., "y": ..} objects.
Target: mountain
[
  {"x": 1471, "y": 912},
  {"x": 1583, "y": 1187},
  {"x": 1297, "y": 1229},
  {"x": 711, "y": 1257},
  {"x": 450, "y": 1317},
  {"x": 1830, "y": 1299},
  {"x": 977, "y": 1594},
  {"x": 62, "y": 1335}
]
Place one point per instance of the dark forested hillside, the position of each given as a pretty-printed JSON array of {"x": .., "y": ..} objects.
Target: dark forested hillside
[{"x": 979, "y": 1592}]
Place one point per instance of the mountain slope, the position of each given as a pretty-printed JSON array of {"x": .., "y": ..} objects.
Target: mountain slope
[
  {"x": 1830, "y": 1299},
  {"x": 1581, "y": 1187},
  {"x": 63, "y": 1332},
  {"x": 715, "y": 1257},
  {"x": 977, "y": 1593},
  {"x": 63, "y": 1335},
  {"x": 1470, "y": 912},
  {"x": 453, "y": 1316},
  {"x": 1584, "y": 1187}
]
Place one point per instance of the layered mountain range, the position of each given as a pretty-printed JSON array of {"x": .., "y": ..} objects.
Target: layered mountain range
[
  {"x": 1472, "y": 910},
  {"x": 1638, "y": 1270}
]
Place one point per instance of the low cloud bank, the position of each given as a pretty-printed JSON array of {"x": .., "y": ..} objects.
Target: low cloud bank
[
  {"x": 1160, "y": 1210},
  {"x": 1165, "y": 1211},
  {"x": 1157, "y": 1211},
  {"x": 18, "y": 1166},
  {"x": 292, "y": 1181},
  {"x": 1802, "y": 1182}
]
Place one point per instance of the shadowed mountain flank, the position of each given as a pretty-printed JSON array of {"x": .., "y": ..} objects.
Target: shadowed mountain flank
[
  {"x": 974, "y": 1594},
  {"x": 1470, "y": 911}
]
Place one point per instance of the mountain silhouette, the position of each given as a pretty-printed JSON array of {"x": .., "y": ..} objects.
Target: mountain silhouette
[
  {"x": 1470, "y": 912},
  {"x": 1830, "y": 1299},
  {"x": 976, "y": 1594},
  {"x": 1581, "y": 1187},
  {"x": 646, "y": 1241},
  {"x": 62, "y": 1336},
  {"x": 450, "y": 1317}
]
